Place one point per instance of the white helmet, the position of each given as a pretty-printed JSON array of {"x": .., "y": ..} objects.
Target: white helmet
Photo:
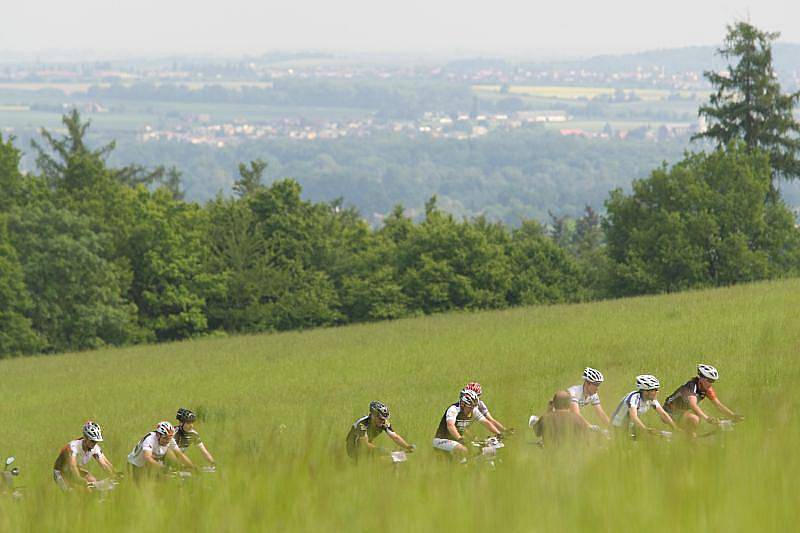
[
  {"x": 707, "y": 371},
  {"x": 165, "y": 429},
  {"x": 590, "y": 374},
  {"x": 469, "y": 397},
  {"x": 91, "y": 431},
  {"x": 647, "y": 382}
]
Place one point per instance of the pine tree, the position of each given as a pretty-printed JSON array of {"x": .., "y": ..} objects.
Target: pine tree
[{"x": 748, "y": 104}]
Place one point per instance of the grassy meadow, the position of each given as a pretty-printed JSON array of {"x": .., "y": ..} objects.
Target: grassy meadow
[{"x": 275, "y": 410}]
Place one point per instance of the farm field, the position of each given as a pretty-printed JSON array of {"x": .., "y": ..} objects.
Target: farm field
[{"x": 274, "y": 410}]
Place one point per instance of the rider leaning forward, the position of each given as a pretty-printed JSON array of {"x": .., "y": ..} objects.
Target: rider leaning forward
[
  {"x": 69, "y": 471},
  {"x": 683, "y": 405}
]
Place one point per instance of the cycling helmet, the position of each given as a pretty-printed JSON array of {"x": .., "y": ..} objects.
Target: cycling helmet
[
  {"x": 707, "y": 371},
  {"x": 647, "y": 382},
  {"x": 185, "y": 415},
  {"x": 379, "y": 409},
  {"x": 469, "y": 397},
  {"x": 590, "y": 374},
  {"x": 91, "y": 430},
  {"x": 165, "y": 429},
  {"x": 475, "y": 387}
]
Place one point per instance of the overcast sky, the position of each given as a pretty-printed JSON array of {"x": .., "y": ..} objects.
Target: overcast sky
[{"x": 524, "y": 27}]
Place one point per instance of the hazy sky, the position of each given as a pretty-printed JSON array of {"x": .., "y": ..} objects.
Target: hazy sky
[{"x": 532, "y": 27}]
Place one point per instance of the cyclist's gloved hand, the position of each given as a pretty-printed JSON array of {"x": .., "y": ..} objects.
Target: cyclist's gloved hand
[{"x": 411, "y": 448}]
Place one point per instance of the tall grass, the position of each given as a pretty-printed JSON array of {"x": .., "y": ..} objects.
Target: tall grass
[{"x": 275, "y": 410}]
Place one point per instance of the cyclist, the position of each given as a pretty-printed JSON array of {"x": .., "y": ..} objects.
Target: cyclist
[
  {"x": 68, "y": 471},
  {"x": 476, "y": 388},
  {"x": 149, "y": 454},
  {"x": 186, "y": 435},
  {"x": 629, "y": 411},
  {"x": 683, "y": 405},
  {"x": 364, "y": 431},
  {"x": 561, "y": 425},
  {"x": 586, "y": 394},
  {"x": 455, "y": 421}
]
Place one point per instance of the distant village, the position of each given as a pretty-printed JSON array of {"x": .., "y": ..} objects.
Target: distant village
[{"x": 199, "y": 129}]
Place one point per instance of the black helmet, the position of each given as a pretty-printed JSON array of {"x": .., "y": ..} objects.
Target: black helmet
[
  {"x": 379, "y": 409},
  {"x": 185, "y": 415}
]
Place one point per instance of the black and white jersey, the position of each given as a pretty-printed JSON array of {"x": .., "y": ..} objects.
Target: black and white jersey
[{"x": 462, "y": 420}]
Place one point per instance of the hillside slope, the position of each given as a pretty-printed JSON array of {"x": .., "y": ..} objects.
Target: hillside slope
[{"x": 275, "y": 410}]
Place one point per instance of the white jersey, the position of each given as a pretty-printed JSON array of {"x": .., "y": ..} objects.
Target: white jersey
[
  {"x": 151, "y": 444},
  {"x": 482, "y": 409},
  {"x": 82, "y": 457},
  {"x": 577, "y": 396},
  {"x": 621, "y": 416}
]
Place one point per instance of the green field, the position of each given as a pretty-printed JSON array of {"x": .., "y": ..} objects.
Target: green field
[{"x": 275, "y": 410}]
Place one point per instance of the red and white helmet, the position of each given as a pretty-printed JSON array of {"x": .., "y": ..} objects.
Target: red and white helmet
[
  {"x": 165, "y": 429},
  {"x": 475, "y": 387},
  {"x": 468, "y": 397}
]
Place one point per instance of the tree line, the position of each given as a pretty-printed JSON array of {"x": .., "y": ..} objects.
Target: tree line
[{"x": 94, "y": 255}]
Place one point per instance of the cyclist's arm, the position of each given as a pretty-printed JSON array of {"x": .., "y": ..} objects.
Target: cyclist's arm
[
  {"x": 695, "y": 406},
  {"x": 451, "y": 428},
  {"x": 364, "y": 440},
  {"x": 666, "y": 418},
  {"x": 722, "y": 407},
  {"x": 206, "y": 454},
  {"x": 180, "y": 456},
  {"x": 400, "y": 441},
  {"x": 601, "y": 414},
  {"x": 634, "y": 414},
  {"x": 496, "y": 423},
  {"x": 149, "y": 460},
  {"x": 73, "y": 468},
  {"x": 105, "y": 464},
  {"x": 490, "y": 425},
  {"x": 575, "y": 408}
]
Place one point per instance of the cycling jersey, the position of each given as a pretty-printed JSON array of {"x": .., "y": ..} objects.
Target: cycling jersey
[
  {"x": 185, "y": 438},
  {"x": 621, "y": 415},
  {"x": 150, "y": 443},
  {"x": 75, "y": 449},
  {"x": 461, "y": 419},
  {"x": 678, "y": 401},
  {"x": 363, "y": 427},
  {"x": 577, "y": 396}
]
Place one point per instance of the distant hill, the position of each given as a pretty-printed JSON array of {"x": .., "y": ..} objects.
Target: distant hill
[{"x": 692, "y": 58}]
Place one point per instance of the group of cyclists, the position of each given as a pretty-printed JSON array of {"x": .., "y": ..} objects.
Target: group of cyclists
[
  {"x": 151, "y": 455},
  {"x": 563, "y": 419}
]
